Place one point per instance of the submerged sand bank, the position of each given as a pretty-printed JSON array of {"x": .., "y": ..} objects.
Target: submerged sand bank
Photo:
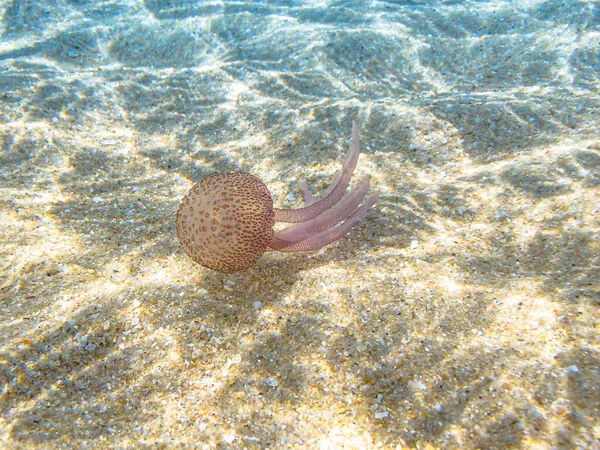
[{"x": 461, "y": 313}]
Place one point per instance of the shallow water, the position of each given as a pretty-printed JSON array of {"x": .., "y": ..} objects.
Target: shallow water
[{"x": 461, "y": 312}]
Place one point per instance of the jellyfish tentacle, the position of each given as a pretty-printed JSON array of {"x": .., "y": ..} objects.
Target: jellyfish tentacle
[
  {"x": 333, "y": 195},
  {"x": 322, "y": 238},
  {"x": 329, "y": 218},
  {"x": 307, "y": 195}
]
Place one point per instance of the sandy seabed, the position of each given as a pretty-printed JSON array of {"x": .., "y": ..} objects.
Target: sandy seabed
[{"x": 461, "y": 313}]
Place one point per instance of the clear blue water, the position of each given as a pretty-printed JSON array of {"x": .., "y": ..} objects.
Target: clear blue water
[
  {"x": 468, "y": 297},
  {"x": 522, "y": 63}
]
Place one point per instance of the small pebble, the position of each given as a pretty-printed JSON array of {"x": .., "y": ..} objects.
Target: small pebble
[
  {"x": 573, "y": 369},
  {"x": 382, "y": 415},
  {"x": 228, "y": 438},
  {"x": 236, "y": 359},
  {"x": 501, "y": 215},
  {"x": 90, "y": 347},
  {"x": 415, "y": 384}
]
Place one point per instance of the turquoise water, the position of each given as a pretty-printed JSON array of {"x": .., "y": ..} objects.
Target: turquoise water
[
  {"x": 531, "y": 66},
  {"x": 461, "y": 312}
]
